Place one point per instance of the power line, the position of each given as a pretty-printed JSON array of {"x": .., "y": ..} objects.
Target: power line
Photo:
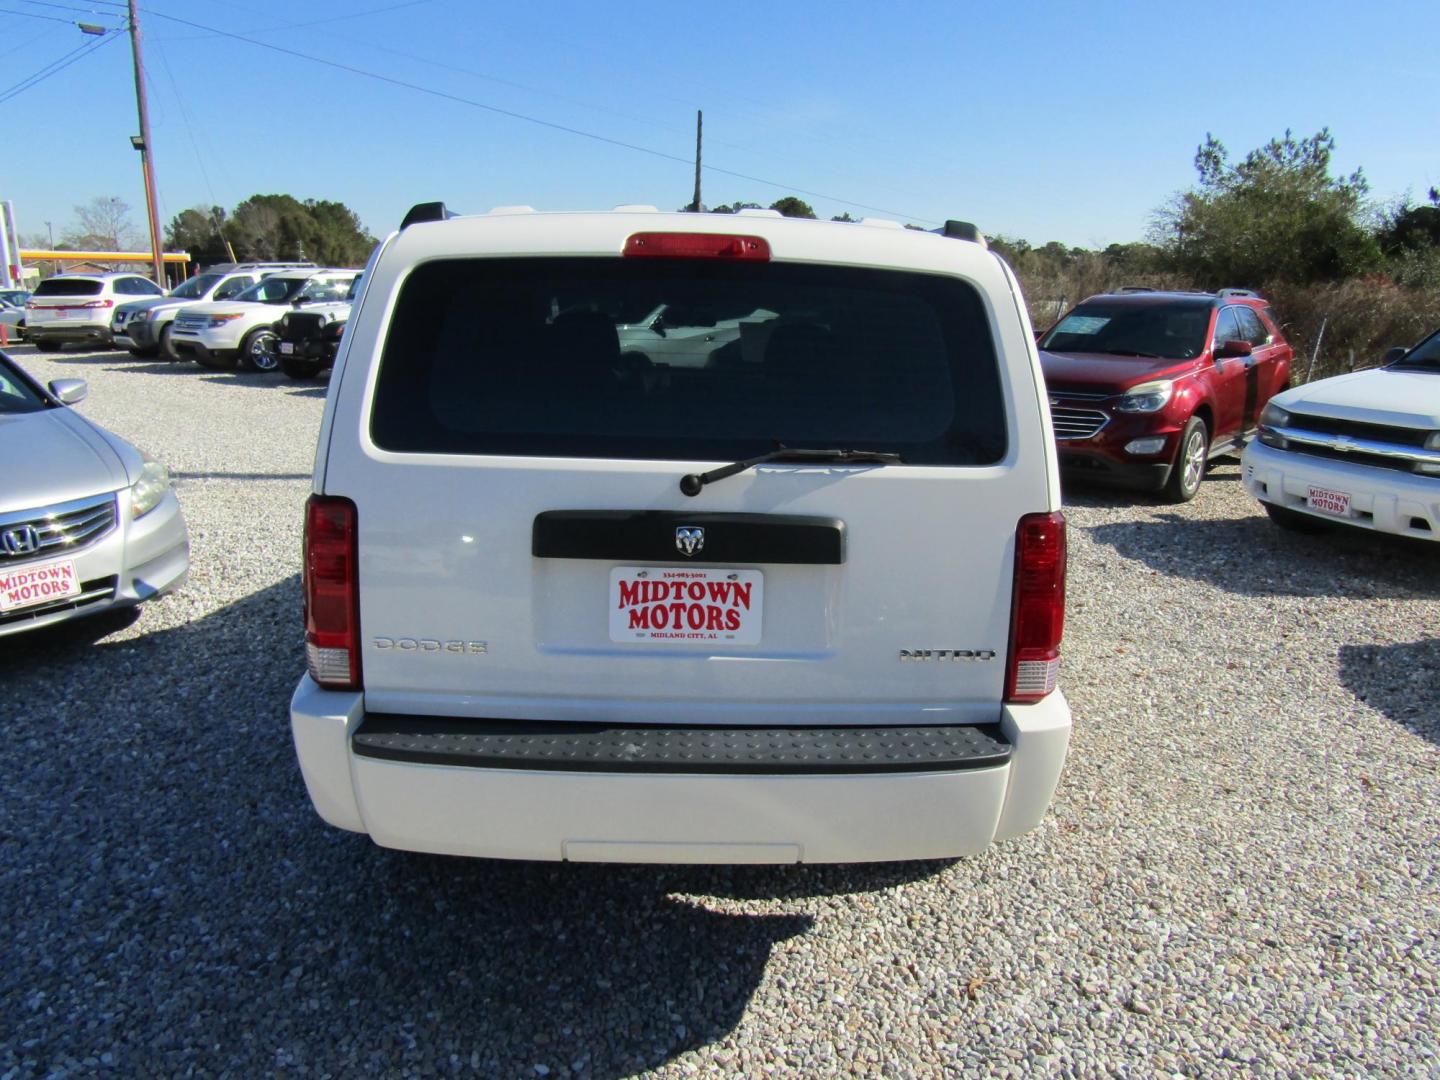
[
  {"x": 79, "y": 10},
  {"x": 56, "y": 66},
  {"x": 445, "y": 95},
  {"x": 37, "y": 15}
]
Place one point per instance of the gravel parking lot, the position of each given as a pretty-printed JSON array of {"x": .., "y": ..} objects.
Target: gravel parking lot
[{"x": 1240, "y": 869}]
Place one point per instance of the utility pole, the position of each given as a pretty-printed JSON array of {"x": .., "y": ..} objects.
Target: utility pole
[
  {"x": 699, "y": 128},
  {"x": 147, "y": 165}
]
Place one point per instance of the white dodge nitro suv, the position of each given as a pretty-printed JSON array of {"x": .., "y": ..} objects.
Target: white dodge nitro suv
[{"x": 795, "y": 599}]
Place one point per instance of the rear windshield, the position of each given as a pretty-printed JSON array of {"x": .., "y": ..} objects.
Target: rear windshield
[
  {"x": 1175, "y": 330},
  {"x": 62, "y": 286},
  {"x": 685, "y": 360}
]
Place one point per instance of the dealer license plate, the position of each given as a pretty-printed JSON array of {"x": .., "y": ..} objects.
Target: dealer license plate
[
  {"x": 1328, "y": 502},
  {"x": 686, "y": 605},
  {"x": 287, "y": 347},
  {"x": 40, "y": 583}
]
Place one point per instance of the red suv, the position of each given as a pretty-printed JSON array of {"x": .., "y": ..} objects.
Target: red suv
[{"x": 1145, "y": 386}]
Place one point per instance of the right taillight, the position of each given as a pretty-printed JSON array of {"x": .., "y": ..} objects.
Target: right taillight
[
  {"x": 332, "y": 593},
  {"x": 1037, "y": 614}
]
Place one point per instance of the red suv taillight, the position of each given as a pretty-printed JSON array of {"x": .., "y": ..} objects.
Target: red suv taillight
[
  {"x": 332, "y": 593},
  {"x": 98, "y": 304},
  {"x": 1037, "y": 614}
]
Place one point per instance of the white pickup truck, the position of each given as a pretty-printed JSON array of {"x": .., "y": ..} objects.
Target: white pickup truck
[
  {"x": 798, "y": 601},
  {"x": 1361, "y": 449}
]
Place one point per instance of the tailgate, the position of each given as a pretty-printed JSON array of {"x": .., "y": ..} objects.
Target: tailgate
[{"x": 461, "y": 616}]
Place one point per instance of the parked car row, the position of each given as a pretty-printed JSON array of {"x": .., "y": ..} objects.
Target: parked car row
[
  {"x": 1146, "y": 387},
  {"x": 223, "y": 317},
  {"x": 144, "y": 326}
]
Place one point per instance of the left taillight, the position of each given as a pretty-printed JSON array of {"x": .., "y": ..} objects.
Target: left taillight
[
  {"x": 1037, "y": 614},
  {"x": 332, "y": 593}
]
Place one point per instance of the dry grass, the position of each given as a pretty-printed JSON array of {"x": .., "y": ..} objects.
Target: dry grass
[{"x": 1363, "y": 317}]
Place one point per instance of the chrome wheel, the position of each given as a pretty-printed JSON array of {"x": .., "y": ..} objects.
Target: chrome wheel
[
  {"x": 1194, "y": 460},
  {"x": 1183, "y": 483},
  {"x": 260, "y": 351}
]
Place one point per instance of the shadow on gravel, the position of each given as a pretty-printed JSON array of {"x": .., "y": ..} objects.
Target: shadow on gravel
[
  {"x": 173, "y": 904},
  {"x": 1398, "y": 680},
  {"x": 1252, "y": 556},
  {"x": 801, "y": 882},
  {"x": 242, "y": 476}
]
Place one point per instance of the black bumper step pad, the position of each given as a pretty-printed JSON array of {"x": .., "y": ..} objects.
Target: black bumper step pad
[{"x": 570, "y": 747}]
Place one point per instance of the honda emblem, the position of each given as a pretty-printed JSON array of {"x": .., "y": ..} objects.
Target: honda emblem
[{"x": 21, "y": 540}]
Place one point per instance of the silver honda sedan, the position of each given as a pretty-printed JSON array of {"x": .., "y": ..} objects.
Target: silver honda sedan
[{"x": 88, "y": 523}]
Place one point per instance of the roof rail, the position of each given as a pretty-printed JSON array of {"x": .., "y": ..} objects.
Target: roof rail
[
  {"x": 426, "y": 211},
  {"x": 232, "y": 267},
  {"x": 1136, "y": 288},
  {"x": 1251, "y": 293},
  {"x": 964, "y": 230}
]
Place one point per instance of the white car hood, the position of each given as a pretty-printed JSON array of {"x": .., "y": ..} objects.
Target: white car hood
[
  {"x": 334, "y": 310},
  {"x": 1381, "y": 396},
  {"x": 217, "y": 307},
  {"x": 54, "y": 456}
]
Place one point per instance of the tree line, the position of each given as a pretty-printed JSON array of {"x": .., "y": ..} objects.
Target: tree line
[
  {"x": 261, "y": 228},
  {"x": 272, "y": 227}
]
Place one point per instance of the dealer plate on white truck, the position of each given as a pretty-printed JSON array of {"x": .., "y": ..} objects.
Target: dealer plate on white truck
[
  {"x": 1328, "y": 502},
  {"x": 684, "y": 604},
  {"x": 29, "y": 585}
]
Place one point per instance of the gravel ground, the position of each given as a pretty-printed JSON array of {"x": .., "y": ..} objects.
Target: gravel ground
[{"x": 1240, "y": 870}]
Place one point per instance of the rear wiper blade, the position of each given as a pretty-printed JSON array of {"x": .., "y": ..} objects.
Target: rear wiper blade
[{"x": 694, "y": 483}]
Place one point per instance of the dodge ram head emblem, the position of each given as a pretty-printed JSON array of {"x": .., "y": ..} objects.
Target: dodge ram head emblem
[{"x": 689, "y": 539}]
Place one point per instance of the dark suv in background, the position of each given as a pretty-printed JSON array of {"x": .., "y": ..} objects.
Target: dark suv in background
[{"x": 1146, "y": 386}]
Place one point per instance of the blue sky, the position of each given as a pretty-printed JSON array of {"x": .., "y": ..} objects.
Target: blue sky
[{"x": 1044, "y": 121}]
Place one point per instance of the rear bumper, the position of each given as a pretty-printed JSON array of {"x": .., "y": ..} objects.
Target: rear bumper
[
  {"x": 1382, "y": 500},
  {"x": 597, "y": 814},
  {"x": 72, "y": 332}
]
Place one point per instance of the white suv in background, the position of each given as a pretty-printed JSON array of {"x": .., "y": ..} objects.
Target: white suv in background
[
  {"x": 1361, "y": 449},
  {"x": 220, "y": 333},
  {"x": 143, "y": 326},
  {"x": 78, "y": 307},
  {"x": 802, "y": 603}
]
